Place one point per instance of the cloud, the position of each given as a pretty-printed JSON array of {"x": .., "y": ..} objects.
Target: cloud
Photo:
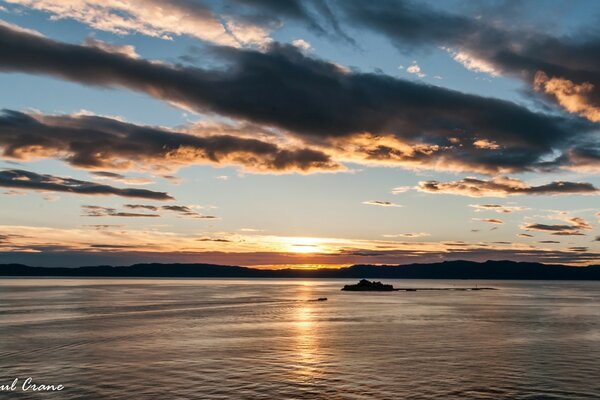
[
  {"x": 218, "y": 240},
  {"x": 142, "y": 206},
  {"x": 408, "y": 235},
  {"x": 504, "y": 186},
  {"x": 97, "y": 211},
  {"x": 44, "y": 245},
  {"x": 573, "y": 97},
  {"x": 20, "y": 179},
  {"x": 251, "y": 230},
  {"x": 481, "y": 45},
  {"x": 185, "y": 211},
  {"x": 415, "y": 70},
  {"x": 302, "y": 44},
  {"x": 381, "y": 203},
  {"x": 489, "y": 220},
  {"x": 401, "y": 189},
  {"x": 155, "y": 18},
  {"x": 471, "y": 62},
  {"x": 501, "y": 209},
  {"x": 575, "y": 228},
  {"x": 113, "y": 176},
  {"x": 126, "y": 50},
  {"x": 524, "y": 235},
  {"x": 485, "y": 144},
  {"x": 104, "y": 226},
  {"x": 94, "y": 142},
  {"x": 324, "y": 104}
]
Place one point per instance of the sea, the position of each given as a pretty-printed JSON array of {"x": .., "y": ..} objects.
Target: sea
[{"x": 270, "y": 339}]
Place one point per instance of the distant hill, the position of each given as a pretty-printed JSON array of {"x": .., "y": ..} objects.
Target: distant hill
[{"x": 443, "y": 270}]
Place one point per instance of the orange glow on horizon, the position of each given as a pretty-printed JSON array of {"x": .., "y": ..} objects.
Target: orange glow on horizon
[{"x": 299, "y": 266}]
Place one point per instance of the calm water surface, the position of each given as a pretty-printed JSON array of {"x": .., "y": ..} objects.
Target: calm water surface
[{"x": 253, "y": 339}]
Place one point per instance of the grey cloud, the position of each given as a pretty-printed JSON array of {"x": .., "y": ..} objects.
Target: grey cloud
[
  {"x": 20, "y": 179},
  {"x": 98, "y": 142},
  {"x": 575, "y": 228},
  {"x": 141, "y": 206},
  {"x": 97, "y": 211},
  {"x": 504, "y": 186},
  {"x": 181, "y": 210},
  {"x": 489, "y": 220},
  {"x": 521, "y": 52},
  {"x": 318, "y": 101}
]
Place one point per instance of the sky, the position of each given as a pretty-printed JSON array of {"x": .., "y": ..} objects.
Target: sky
[{"x": 305, "y": 133}]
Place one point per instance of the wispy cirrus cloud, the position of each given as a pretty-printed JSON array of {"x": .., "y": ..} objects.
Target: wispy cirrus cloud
[
  {"x": 381, "y": 203},
  {"x": 407, "y": 235},
  {"x": 499, "y": 208},
  {"x": 20, "y": 179}
]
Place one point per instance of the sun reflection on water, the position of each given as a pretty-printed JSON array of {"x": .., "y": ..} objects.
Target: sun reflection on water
[{"x": 306, "y": 345}]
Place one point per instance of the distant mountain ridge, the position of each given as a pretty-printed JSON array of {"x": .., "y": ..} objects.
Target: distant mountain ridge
[{"x": 442, "y": 270}]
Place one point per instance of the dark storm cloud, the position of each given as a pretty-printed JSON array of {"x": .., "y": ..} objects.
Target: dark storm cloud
[
  {"x": 20, "y": 179},
  {"x": 504, "y": 186},
  {"x": 318, "y": 100},
  {"x": 98, "y": 142}
]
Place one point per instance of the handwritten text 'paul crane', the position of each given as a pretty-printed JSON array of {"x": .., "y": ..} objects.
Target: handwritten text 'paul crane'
[{"x": 29, "y": 386}]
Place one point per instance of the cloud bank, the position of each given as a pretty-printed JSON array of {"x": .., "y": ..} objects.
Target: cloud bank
[{"x": 20, "y": 179}]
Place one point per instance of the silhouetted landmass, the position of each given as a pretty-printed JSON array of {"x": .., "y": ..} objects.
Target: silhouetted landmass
[
  {"x": 443, "y": 270},
  {"x": 365, "y": 285},
  {"x": 368, "y": 286}
]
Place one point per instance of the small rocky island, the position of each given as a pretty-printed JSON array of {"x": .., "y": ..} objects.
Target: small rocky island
[{"x": 365, "y": 285}]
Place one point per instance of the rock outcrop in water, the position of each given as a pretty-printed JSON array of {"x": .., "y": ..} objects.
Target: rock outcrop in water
[{"x": 369, "y": 286}]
